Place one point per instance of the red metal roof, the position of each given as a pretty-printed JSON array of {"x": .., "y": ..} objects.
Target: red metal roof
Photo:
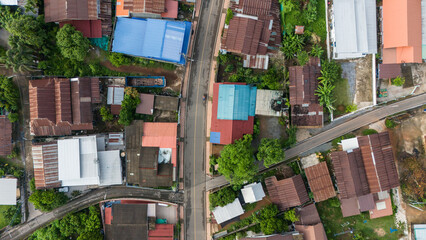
[
  {"x": 320, "y": 182},
  {"x": 243, "y": 35},
  {"x": 161, "y": 232},
  {"x": 63, "y": 10},
  {"x": 287, "y": 193},
  {"x": 108, "y": 215},
  {"x": 45, "y": 161},
  {"x": 171, "y": 11},
  {"x": 230, "y": 130},
  {"x": 5, "y": 136},
  {"x": 375, "y": 213},
  {"x": 162, "y": 135},
  {"x": 89, "y": 28},
  {"x": 387, "y": 71}
]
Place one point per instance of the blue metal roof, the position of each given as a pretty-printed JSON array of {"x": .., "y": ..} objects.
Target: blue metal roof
[
  {"x": 236, "y": 102},
  {"x": 215, "y": 137},
  {"x": 152, "y": 38}
]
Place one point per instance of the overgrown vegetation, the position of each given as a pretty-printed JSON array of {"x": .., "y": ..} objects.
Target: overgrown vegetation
[
  {"x": 229, "y": 16},
  {"x": 330, "y": 73},
  {"x": 389, "y": 123},
  {"x": 46, "y": 200},
  {"x": 9, "y": 98},
  {"x": 10, "y": 215},
  {"x": 256, "y": 127},
  {"x": 336, "y": 141},
  {"x": 398, "y": 81},
  {"x": 368, "y": 131},
  {"x": 82, "y": 225},
  {"x": 7, "y": 168},
  {"x": 128, "y": 106},
  {"x": 72, "y": 43},
  {"x": 270, "y": 151},
  {"x": 106, "y": 114},
  {"x": 291, "y": 139},
  {"x": 222, "y": 197},
  {"x": 351, "y": 108},
  {"x": 413, "y": 179}
]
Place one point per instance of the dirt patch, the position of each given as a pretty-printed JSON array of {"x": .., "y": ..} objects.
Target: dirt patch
[
  {"x": 364, "y": 78},
  {"x": 409, "y": 135},
  {"x": 271, "y": 128},
  {"x": 165, "y": 116},
  {"x": 173, "y": 77},
  {"x": 380, "y": 232}
]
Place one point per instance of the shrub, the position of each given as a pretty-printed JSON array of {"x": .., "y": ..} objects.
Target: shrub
[
  {"x": 256, "y": 127},
  {"x": 270, "y": 151},
  {"x": 47, "y": 200},
  {"x": 290, "y": 215},
  {"x": 351, "y": 108},
  {"x": 128, "y": 106},
  {"x": 334, "y": 202},
  {"x": 366, "y": 132},
  {"x": 13, "y": 117},
  {"x": 291, "y": 140},
  {"x": 317, "y": 51},
  {"x": 106, "y": 114},
  {"x": 292, "y": 44},
  {"x": 249, "y": 206},
  {"x": 229, "y": 16},
  {"x": 222, "y": 197},
  {"x": 390, "y": 123},
  {"x": 398, "y": 81},
  {"x": 118, "y": 59},
  {"x": 229, "y": 68},
  {"x": 302, "y": 58},
  {"x": 336, "y": 141}
]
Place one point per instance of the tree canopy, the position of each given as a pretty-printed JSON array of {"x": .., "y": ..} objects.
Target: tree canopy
[
  {"x": 72, "y": 43},
  {"x": 268, "y": 220},
  {"x": 236, "y": 161},
  {"x": 47, "y": 200},
  {"x": 222, "y": 197},
  {"x": 270, "y": 151},
  {"x": 128, "y": 106}
]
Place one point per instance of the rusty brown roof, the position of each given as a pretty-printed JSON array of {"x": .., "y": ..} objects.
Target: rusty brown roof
[
  {"x": 389, "y": 70},
  {"x": 243, "y": 35},
  {"x": 304, "y": 82},
  {"x": 255, "y": 7},
  {"x": 349, "y": 207},
  {"x": 287, "y": 193},
  {"x": 147, "y": 104},
  {"x": 312, "y": 232},
  {"x": 366, "y": 202},
  {"x": 320, "y": 182},
  {"x": 81, "y": 100},
  {"x": 145, "y": 6},
  {"x": 5, "y": 136},
  {"x": 311, "y": 116},
  {"x": 62, "y": 10},
  {"x": 308, "y": 215},
  {"x": 45, "y": 160},
  {"x": 96, "y": 95}
]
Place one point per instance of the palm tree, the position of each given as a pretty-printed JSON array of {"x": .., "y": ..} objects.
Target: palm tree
[{"x": 324, "y": 93}]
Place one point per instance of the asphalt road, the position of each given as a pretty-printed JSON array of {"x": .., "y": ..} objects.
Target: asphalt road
[
  {"x": 23, "y": 230},
  {"x": 345, "y": 127},
  {"x": 195, "y": 122}
]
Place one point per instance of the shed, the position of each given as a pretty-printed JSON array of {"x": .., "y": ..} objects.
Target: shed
[
  {"x": 287, "y": 193},
  {"x": 115, "y": 95},
  {"x": 147, "y": 104},
  {"x": 152, "y": 38},
  {"x": 320, "y": 182},
  {"x": 299, "y": 30},
  {"x": 8, "y": 191},
  {"x": 228, "y": 212},
  {"x": 253, "y": 192}
]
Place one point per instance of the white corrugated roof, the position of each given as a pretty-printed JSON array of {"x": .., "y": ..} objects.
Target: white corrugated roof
[
  {"x": 228, "y": 212},
  {"x": 253, "y": 193},
  {"x": 110, "y": 168},
  {"x": 8, "y": 191},
  {"x": 68, "y": 159},
  {"x": 354, "y": 28},
  {"x": 115, "y": 95},
  {"x": 9, "y": 2},
  {"x": 350, "y": 144}
]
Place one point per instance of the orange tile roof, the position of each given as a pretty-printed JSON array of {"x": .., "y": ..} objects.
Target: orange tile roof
[
  {"x": 162, "y": 135},
  {"x": 402, "y": 31},
  {"x": 384, "y": 212},
  {"x": 119, "y": 9}
]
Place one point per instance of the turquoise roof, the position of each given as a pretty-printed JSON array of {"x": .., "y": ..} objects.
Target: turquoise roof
[{"x": 236, "y": 102}]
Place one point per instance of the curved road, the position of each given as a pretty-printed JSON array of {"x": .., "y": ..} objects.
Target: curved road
[
  {"x": 337, "y": 131},
  {"x": 23, "y": 230}
]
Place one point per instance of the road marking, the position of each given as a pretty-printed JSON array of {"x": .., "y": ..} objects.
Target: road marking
[{"x": 195, "y": 122}]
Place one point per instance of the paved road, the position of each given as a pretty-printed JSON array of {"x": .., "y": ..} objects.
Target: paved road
[
  {"x": 339, "y": 130},
  {"x": 23, "y": 230},
  {"x": 195, "y": 122}
]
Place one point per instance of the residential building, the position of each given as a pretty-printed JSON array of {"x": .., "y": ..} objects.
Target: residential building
[
  {"x": 287, "y": 193},
  {"x": 365, "y": 171},
  {"x": 253, "y": 192},
  {"x": 402, "y": 31},
  {"x": 5, "y": 136},
  {"x": 306, "y": 111},
  {"x": 230, "y": 212},
  {"x": 45, "y": 161},
  {"x": 354, "y": 31},
  {"x": 390, "y": 70},
  {"x": 270, "y": 103},
  {"x": 115, "y": 96},
  {"x": 253, "y": 32},
  {"x": 59, "y": 106},
  {"x": 155, "y": 39},
  {"x": 233, "y": 112},
  {"x": 147, "y": 8},
  {"x": 91, "y": 17},
  {"x": 309, "y": 224},
  {"x": 8, "y": 191},
  {"x": 320, "y": 182},
  {"x": 147, "y": 104}
]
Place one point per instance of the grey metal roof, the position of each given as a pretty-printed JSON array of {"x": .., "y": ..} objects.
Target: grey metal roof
[
  {"x": 230, "y": 211},
  {"x": 8, "y": 191},
  {"x": 110, "y": 168},
  {"x": 354, "y": 28}
]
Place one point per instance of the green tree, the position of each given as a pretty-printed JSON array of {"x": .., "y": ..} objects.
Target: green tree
[
  {"x": 128, "y": 106},
  {"x": 317, "y": 51},
  {"x": 270, "y": 151},
  {"x": 302, "y": 58},
  {"x": 106, "y": 114},
  {"x": 268, "y": 220},
  {"x": 272, "y": 79},
  {"x": 291, "y": 216},
  {"x": 325, "y": 94},
  {"x": 47, "y": 200},
  {"x": 13, "y": 117},
  {"x": 236, "y": 161},
  {"x": 389, "y": 123},
  {"x": 32, "y": 5},
  {"x": 118, "y": 59},
  {"x": 331, "y": 71},
  {"x": 72, "y": 43},
  {"x": 229, "y": 16},
  {"x": 291, "y": 133},
  {"x": 398, "y": 81},
  {"x": 292, "y": 44},
  {"x": 222, "y": 197}
]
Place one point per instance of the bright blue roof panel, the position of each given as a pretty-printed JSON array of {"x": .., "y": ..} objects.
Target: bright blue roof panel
[
  {"x": 236, "y": 102},
  {"x": 215, "y": 137},
  {"x": 152, "y": 38}
]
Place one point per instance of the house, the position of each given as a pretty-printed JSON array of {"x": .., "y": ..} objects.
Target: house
[
  {"x": 306, "y": 112},
  {"x": 253, "y": 32},
  {"x": 143, "y": 162},
  {"x": 402, "y": 31},
  {"x": 253, "y": 192},
  {"x": 147, "y": 104},
  {"x": 354, "y": 31},
  {"x": 115, "y": 96},
  {"x": 5, "y": 136},
  {"x": 320, "y": 182},
  {"x": 270, "y": 102},
  {"x": 147, "y": 8},
  {"x": 287, "y": 193},
  {"x": 365, "y": 171},
  {"x": 77, "y": 161},
  {"x": 155, "y": 39},
  {"x": 59, "y": 106},
  {"x": 309, "y": 224},
  {"x": 233, "y": 112},
  {"x": 91, "y": 17},
  {"x": 390, "y": 70},
  {"x": 228, "y": 213},
  {"x": 8, "y": 191}
]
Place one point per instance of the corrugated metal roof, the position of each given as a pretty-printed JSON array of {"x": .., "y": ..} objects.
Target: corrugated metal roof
[
  {"x": 5, "y": 136},
  {"x": 45, "y": 161},
  {"x": 387, "y": 71},
  {"x": 228, "y": 212},
  {"x": 8, "y": 191},
  {"x": 162, "y": 135},
  {"x": 110, "y": 168},
  {"x": 68, "y": 159},
  {"x": 62, "y": 10},
  {"x": 287, "y": 193},
  {"x": 253, "y": 192},
  {"x": 161, "y": 232},
  {"x": 115, "y": 95},
  {"x": 171, "y": 11},
  {"x": 320, "y": 182},
  {"x": 147, "y": 104},
  {"x": 236, "y": 102},
  {"x": 89, "y": 28}
]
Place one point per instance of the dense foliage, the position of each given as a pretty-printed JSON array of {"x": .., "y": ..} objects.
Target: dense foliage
[
  {"x": 229, "y": 16},
  {"x": 83, "y": 225},
  {"x": 12, "y": 215},
  {"x": 398, "y": 81},
  {"x": 291, "y": 216},
  {"x": 118, "y": 59},
  {"x": 236, "y": 161},
  {"x": 270, "y": 151},
  {"x": 9, "y": 97},
  {"x": 222, "y": 197},
  {"x": 302, "y": 58},
  {"x": 389, "y": 123},
  {"x": 106, "y": 114},
  {"x": 46, "y": 200},
  {"x": 292, "y": 44},
  {"x": 351, "y": 108},
  {"x": 128, "y": 106},
  {"x": 9, "y": 169},
  {"x": 368, "y": 131},
  {"x": 330, "y": 73},
  {"x": 413, "y": 178},
  {"x": 72, "y": 43},
  {"x": 291, "y": 136},
  {"x": 268, "y": 220},
  {"x": 316, "y": 51}
]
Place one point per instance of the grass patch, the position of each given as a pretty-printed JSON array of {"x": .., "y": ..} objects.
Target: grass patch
[
  {"x": 366, "y": 132},
  {"x": 5, "y": 219},
  {"x": 362, "y": 225},
  {"x": 341, "y": 92}
]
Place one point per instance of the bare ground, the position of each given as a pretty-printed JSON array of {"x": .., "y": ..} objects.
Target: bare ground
[{"x": 364, "y": 92}]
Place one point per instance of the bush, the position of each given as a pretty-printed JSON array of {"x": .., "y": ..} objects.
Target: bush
[
  {"x": 106, "y": 114},
  {"x": 390, "y": 123},
  {"x": 398, "y": 81},
  {"x": 351, "y": 108},
  {"x": 47, "y": 200},
  {"x": 229, "y": 16},
  {"x": 270, "y": 151},
  {"x": 222, "y": 197},
  {"x": 12, "y": 215},
  {"x": 291, "y": 133},
  {"x": 256, "y": 127},
  {"x": 268, "y": 220},
  {"x": 249, "y": 206},
  {"x": 316, "y": 51},
  {"x": 336, "y": 141},
  {"x": 229, "y": 68},
  {"x": 128, "y": 106},
  {"x": 366, "y": 132},
  {"x": 118, "y": 59},
  {"x": 292, "y": 44},
  {"x": 334, "y": 202},
  {"x": 302, "y": 58},
  {"x": 290, "y": 215},
  {"x": 72, "y": 43}
]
